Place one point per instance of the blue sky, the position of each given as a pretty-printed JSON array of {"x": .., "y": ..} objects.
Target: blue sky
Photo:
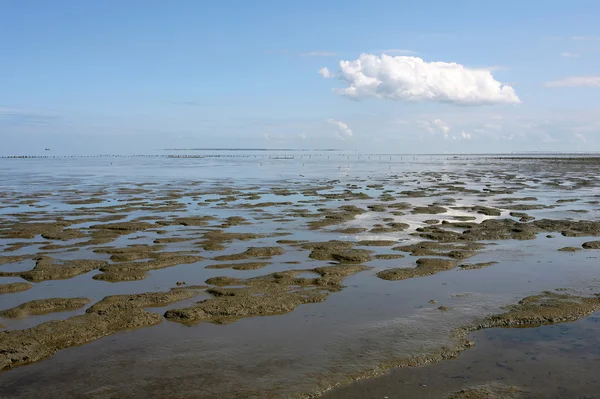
[{"x": 428, "y": 76}]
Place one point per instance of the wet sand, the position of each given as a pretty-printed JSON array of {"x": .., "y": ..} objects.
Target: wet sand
[{"x": 559, "y": 361}]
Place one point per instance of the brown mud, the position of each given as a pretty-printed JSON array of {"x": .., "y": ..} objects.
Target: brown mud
[
  {"x": 47, "y": 268},
  {"x": 14, "y": 287},
  {"x": 424, "y": 267},
  {"x": 44, "y": 306},
  {"x": 112, "y": 314},
  {"x": 273, "y": 294}
]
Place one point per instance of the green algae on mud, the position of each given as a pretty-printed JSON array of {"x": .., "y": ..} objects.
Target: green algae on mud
[
  {"x": 44, "y": 306},
  {"x": 111, "y": 314}
]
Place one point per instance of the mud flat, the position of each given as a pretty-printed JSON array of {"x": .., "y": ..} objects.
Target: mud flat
[
  {"x": 112, "y": 314},
  {"x": 315, "y": 281}
]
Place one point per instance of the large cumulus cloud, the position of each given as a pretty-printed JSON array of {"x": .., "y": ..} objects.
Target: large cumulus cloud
[{"x": 412, "y": 79}]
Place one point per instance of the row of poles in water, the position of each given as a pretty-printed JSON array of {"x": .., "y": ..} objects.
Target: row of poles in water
[{"x": 369, "y": 157}]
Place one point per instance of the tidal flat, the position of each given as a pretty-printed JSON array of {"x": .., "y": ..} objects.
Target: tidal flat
[{"x": 321, "y": 274}]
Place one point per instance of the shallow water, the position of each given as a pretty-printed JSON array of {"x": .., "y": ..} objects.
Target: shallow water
[
  {"x": 559, "y": 361},
  {"x": 369, "y": 322}
]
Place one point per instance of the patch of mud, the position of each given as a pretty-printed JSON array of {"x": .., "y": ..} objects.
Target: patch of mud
[
  {"x": 330, "y": 217},
  {"x": 269, "y": 295},
  {"x": 570, "y": 249},
  {"x": 591, "y": 245},
  {"x": 433, "y": 248},
  {"x": 31, "y": 230},
  {"x": 169, "y": 240},
  {"x": 44, "y": 306},
  {"x": 215, "y": 240},
  {"x": 546, "y": 308},
  {"x": 391, "y": 228},
  {"x": 351, "y": 230},
  {"x": 111, "y": 314},
  {"x": 124, "y": 227},
  {"x": 47, "y": 268},
  {"x": 254, "y": 252},
  {"x": 424, "y": 267},
  {"x": 127, "y": 271},
  {"x": 12, "y": 259},
  {"x": 429, "y": 210},
  {"x": 471, "y": 266},
  {"x": 388, "y": 256},
  {"x": 239, "y": 266},
  {"x": 376, "y": 243},
  {"x": 14, "y": 287},
  {"x": 490, "y": 391},
  {"x": 339, "y": 251}
]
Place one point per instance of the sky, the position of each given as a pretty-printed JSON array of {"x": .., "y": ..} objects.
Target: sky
[{"x": 133, "y": 76}]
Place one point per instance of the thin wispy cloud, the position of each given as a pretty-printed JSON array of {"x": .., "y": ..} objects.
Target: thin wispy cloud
[
  {"x": 411, "y": 79},
  {"x": 567, "y": 54},
  {"x": 435, "y": 126},
  {"x": 575, "y": 81},
  {"x": 14, "y": 117},
  {"x": 319, "y": 54}
]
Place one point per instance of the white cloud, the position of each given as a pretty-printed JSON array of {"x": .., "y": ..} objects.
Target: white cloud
[
  {"x": 412, "y": 79},
  {"x": 566, "y": 54},
  {"x": 343, "y": 131},
  {"x": 442, "y": 127},
  {"x": 435, "y": 126},
  {"x": 302, "y": 136},
  {"x": 319, "y": 54},
  {"x": 576, "y": 81},
  {"x": 465, "y": 135},
  {"x": 325, "y": 72}
]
